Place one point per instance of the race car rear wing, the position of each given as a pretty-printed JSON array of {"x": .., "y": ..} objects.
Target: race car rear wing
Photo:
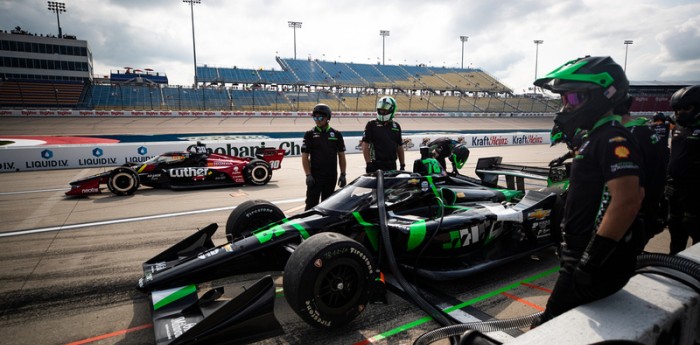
[
  {"x": 489, "y": 170},
  {"x": 271, "y": 155}
]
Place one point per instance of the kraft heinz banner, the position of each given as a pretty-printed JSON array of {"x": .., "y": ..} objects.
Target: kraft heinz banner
[
  {"x": 200, "y": 113},
  {"x": 47, "y": 157}
]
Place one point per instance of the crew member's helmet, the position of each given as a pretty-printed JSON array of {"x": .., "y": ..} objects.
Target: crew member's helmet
[
  {"x": 556, "y": 136},
  {"x": 460, "y": 154},
  {"x": 386, "y": 108},
  {"x": 589, "y": 87},
  {"x": 321, "y": 110},
  {"x": 659, "y": 117},
  {"x": 686, "y": 105}
]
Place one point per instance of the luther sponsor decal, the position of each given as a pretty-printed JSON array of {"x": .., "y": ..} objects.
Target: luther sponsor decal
[{"x": 188, "y": 172}]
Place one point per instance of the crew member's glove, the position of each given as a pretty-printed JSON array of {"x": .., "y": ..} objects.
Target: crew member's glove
[
  {"x": 370, "y": 167},
  {"x": 593, "y": 258},
  {"x": 557, "y": 161},
  {"x": 403, "y": 167},
  {"x": 342, "y": 181},
  {"x": 310, "y": 181}
]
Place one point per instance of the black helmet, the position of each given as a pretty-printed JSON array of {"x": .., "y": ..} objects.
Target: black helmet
[
  {"x": 322, "y": 109},
  {"x": 590, "y": 87},
  {"x": 659, "y": 117},
  {"x": 624, "y": 107},
  {"x": 686, "y": 105},
  {"x": 460, "y": 154}
]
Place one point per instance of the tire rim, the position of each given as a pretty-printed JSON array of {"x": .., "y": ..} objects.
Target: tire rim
[
  {"x": 339, "y": 286},
  {"x": 259, "y": 173},
  {"x": 123, "y": 182}
]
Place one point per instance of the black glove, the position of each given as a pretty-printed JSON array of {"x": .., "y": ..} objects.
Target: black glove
[
  {"x": 598, "y": 251},
  {"x": 403, "y": 167},
  {"x": 557, "y": 161},
  {"x": 342, "y": 181},
  {"x": 370, "y": 167},
  {"x": 310, "y": 181}
]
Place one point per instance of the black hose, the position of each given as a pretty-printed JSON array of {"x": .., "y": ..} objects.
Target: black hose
[
  {"x": 437, "y": 314},
  {"x": 676, "y": 263},
  {"x": 481, "y": 326}
]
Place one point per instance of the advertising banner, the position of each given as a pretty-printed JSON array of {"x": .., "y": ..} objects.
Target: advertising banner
[{"x": 47, "y": 157}]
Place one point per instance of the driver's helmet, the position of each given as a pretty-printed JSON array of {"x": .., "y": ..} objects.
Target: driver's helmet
[
  {"x": 589, "y": 88},
  {"x": 460, "y": 154},
  {"x": 386, "y": 108},
  {"x": 686, "y": 105},
  {"x": 321, "y": 110}
]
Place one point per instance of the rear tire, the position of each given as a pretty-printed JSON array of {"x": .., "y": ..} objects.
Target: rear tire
[
  {"x": 251, "y": 215},
  {"x": 257, "y": 172},
  {"x": 327, "y": 278},
  {"x": 123, "y": 181}
]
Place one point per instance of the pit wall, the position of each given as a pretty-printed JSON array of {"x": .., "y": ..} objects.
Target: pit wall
[{"x": 650, "y": 309}]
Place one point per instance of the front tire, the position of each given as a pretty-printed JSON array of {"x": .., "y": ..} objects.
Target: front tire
[
  {"x": 327, "y": 278},
  {"x": 251, "y": 215},
  {"x": 123, "y": 181},
  {"x": 257, "y": 172}
]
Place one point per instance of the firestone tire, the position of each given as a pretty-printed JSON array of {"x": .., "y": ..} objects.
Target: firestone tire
[
  {"x": 257, "y": 172},
  {"x": 123, "y": 181},
  {"x": 327, "y": 278},
  {"x": 251, "y": 215}
]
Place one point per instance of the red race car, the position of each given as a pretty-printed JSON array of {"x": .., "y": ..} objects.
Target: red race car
[{"x": 197, "y": 168}]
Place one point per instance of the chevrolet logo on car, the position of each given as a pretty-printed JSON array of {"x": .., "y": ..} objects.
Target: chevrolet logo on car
[{"x": 538, "y": 214}]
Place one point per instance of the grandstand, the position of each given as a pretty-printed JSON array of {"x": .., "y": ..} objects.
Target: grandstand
[{"x": 53, "y": 72}]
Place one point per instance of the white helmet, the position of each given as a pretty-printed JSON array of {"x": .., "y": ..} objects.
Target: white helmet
[{"x": 386, "y": 108}]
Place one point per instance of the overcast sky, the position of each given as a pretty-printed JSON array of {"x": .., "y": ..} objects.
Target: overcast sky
[{"x": 157, "y": 34}]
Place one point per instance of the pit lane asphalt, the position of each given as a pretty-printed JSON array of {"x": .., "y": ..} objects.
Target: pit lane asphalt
[{"x": 75, "y": 283}]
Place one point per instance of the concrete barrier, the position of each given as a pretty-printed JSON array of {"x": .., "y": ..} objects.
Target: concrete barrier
[{"x": 650, "y": 309}]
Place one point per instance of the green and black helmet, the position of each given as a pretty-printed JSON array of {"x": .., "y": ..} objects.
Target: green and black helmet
[
  {"x": 460, "y": 154},
  {"x": 589, "y": 87},
  {"x": 386, "y": 108}
]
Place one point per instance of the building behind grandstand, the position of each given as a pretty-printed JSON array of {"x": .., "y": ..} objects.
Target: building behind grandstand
[{"x": 44, "y": 71}]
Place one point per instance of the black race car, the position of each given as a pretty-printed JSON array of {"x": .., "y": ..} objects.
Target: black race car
[
  {"x": 194, "y": 168},
  {"x": 335, "y": 256}
]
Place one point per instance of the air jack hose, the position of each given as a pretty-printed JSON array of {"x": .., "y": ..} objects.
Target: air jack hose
[
  {"x": 677, "y": 263},
  {"x": 437, "y": 314}
]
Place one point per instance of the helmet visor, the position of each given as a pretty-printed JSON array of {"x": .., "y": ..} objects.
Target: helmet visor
[
  {"x": 574, "y": 99},
  {"x": 382, "y": 111},
  {"x": 318, "y": 117}
]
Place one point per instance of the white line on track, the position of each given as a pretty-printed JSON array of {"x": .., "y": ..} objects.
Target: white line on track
[
  {"x": 34, "y": 191},
  {"x": 128, "y": 220}
]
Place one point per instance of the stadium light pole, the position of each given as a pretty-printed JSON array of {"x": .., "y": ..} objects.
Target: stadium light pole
[
  {"x": 627, "y": 45},
  {"x": 537, "y": 53},
  {"x": 383, "y": 33},
  {"x": 295, "y": 26},
  {"x": 194, "y": 49},
  {"x": 464, "y": 40},
  {"x": 58, "y": 7}
]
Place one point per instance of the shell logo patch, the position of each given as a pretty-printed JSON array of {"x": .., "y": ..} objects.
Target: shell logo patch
[{"x": 622, "y": 152}]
